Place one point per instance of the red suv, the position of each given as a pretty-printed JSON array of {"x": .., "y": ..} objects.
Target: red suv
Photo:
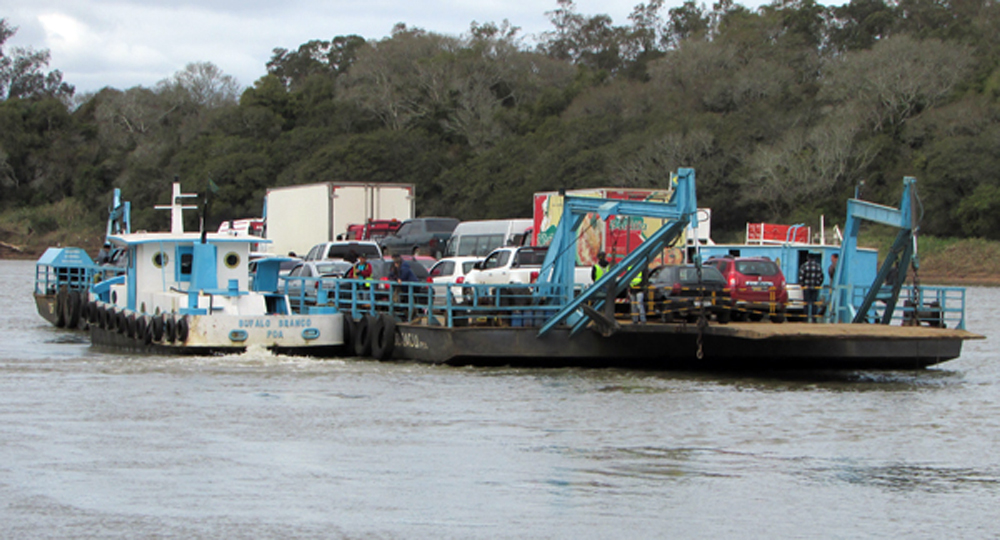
[{"x": 756, "y": 285}]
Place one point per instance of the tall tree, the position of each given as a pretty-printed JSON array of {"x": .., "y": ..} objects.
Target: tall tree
[{"x": 22, "y": 72}]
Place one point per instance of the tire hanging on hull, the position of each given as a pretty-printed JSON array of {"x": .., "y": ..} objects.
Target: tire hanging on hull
[
  {"x": 363, "y": 336},
  {"x": 384, "y": 337}
]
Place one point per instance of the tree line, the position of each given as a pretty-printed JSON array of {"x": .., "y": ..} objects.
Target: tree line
[{"x": 783, "y": 111}]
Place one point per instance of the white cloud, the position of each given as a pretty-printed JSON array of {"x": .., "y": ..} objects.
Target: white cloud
[{"x": 125, "y": 43}]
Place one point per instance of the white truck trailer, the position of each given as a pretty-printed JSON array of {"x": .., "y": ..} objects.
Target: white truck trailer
[{"x": 299, "y": 217}]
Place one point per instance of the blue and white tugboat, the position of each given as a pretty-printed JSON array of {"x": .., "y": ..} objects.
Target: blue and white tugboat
[
  {"x": 64, "y": 275},
  {"x": 190, "y": 293}
]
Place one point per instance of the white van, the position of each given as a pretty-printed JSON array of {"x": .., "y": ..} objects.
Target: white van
[{"x": 480, "y": 238}]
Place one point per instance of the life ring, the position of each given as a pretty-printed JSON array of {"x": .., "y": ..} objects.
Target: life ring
[
  {"x": 121, "y": 322},
  {"x": 156, "y": 327},
  {"x": 170, "y": 329},
  {"x": 384, "y": 337},
  {"x": 182, "y": 329},
  {"x": 363, "y": 336},
  {"x": 140, "y": 328},
  {"x": 61, "y": 307}
]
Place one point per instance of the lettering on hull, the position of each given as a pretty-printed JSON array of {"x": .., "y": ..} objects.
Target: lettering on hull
[{"x": 411, "y": 341}]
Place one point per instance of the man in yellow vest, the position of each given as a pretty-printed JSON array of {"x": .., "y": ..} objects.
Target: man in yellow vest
[
  {"x": 600, "y": 267},
  {"x": 638, "y": 300}
]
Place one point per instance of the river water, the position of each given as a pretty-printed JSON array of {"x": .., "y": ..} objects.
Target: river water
[{"x": 99, "y": 445}]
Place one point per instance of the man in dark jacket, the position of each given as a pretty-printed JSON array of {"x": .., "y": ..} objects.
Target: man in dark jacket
[{"x": 811, "y": 279}]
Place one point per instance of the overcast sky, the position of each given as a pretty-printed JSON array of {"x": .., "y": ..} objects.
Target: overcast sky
[{"x": 126, "y": 43}]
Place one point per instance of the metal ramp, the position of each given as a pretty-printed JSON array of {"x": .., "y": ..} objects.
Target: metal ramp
[
  {"x": 893, "y": 270},
  {"x": 557, "y": 273}
]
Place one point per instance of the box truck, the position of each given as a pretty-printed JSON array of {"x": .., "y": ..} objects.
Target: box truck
[{"x": 299, "y": 217}]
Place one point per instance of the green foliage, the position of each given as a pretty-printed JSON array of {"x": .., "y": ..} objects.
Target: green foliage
[{"x": 781, "y": 110}]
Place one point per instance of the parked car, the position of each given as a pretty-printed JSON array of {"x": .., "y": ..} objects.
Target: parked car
[
  {"x": 342, "y": 250},
  {"x": 756, "y": 285},
  {"x": 677, "y": 291},
  {"x": 422, "y": 235},
  {"x": 451, "y": 270},
  {"x": 303, "y": 283},
  {"x": 419, "y": 265}
]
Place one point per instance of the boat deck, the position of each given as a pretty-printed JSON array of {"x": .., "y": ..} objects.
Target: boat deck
[{"x": 798, "y": 330}]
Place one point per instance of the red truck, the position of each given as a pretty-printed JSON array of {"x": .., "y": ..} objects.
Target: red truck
[{"x": 374, "y": 230}]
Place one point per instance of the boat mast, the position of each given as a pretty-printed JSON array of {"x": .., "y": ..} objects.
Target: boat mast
[{"x": 177, "y": 209}]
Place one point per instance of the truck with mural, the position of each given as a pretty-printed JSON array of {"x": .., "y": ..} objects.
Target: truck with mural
[{"x": 617, "y": 236}]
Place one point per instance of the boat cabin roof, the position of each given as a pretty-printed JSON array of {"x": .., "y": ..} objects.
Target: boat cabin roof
[{"x": 184, "y": 238}]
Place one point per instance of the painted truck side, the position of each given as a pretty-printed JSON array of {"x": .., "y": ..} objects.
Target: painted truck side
[
  {"x": 299, "y": 217},
  {"x": 617, "y": 236}
]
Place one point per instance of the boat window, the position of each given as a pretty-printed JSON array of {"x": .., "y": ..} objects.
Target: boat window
[
  {"x": 185, "y": 257},
  {"x": 232, "y": 259},
  {"x": 160, "y": 259}
]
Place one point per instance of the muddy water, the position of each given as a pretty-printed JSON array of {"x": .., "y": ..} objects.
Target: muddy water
[{"x": 97, "y": 445}]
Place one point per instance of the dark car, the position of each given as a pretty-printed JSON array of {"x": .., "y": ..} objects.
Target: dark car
[
  {"x": 756, "y": 285},
  {"x": 678, "y": 291},
  {"x": 428, "y": 236}
]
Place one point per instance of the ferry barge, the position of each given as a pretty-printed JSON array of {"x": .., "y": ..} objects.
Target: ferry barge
[{"x": 553, "y": 322}]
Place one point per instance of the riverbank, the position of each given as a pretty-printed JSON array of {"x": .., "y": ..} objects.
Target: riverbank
[{"x": 943, "y": 261}]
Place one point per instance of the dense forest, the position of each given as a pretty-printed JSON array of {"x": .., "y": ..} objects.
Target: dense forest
[{"x": 783, "y": 111}]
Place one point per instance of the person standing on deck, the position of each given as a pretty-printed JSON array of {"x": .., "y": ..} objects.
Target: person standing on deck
[
  {"x": 363, "y": 270},
  {"x": 810, "y": 279},
  {"x": 833, "y": 266},
  {"x": 638, "y": 300}
]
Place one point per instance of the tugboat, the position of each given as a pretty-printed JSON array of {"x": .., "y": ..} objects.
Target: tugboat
[
  {"x": 63, "y": 276},
  {"x": 190, "y": 293}
]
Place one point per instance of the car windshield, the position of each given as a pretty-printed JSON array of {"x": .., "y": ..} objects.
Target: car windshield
[
  {"x": 339, "y": 268},
  {"x": 441, "y": 225},
  {"x": 341, "y": 251},
  {"x": 757, "y": 268},
  {"x": 708, "y": 274},
  {"x": 531, "y": 257}
]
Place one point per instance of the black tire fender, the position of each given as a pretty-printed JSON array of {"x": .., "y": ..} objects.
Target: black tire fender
[
  {"x": 183, "y": 329},
  {"x": 384, "y": 337},
  {"x": 61, "y": 307},
  {"x": 121, "y": 322},
  {"x": 170, "y": 329},
  {"x": 363, "y": 336},
  {"x": 73, "y": 309},
  {"x": 130, "y": 325},
  {"x": 156, "y": 325},
  {"x": 350, "y": 327},
  {"x": 141, "y": 328},
  {"x": 147, "y": 335}
]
